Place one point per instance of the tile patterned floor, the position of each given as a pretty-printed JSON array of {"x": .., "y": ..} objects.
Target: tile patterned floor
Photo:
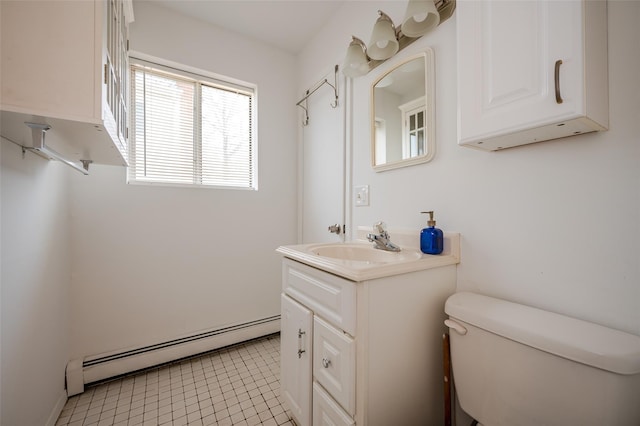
[{"x": 236, "y": 386}]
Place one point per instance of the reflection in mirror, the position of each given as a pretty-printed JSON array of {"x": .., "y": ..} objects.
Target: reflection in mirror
[{"x": 402, "y": 125}]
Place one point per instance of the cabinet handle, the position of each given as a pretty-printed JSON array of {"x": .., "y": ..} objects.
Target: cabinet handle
[
  {"x": 557, "y": 79},
  {"x": 300, "y": 350},
  {"x": 326, "y": 362}
]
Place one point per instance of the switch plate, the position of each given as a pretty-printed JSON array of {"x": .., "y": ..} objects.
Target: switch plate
[{"x": 361, "y": 195}]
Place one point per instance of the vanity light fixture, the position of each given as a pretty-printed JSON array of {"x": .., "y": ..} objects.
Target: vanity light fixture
[
  {"x": 356, "y": 63},
  {"x": 421, "y": 17},
  {"x": 386, "y": 40}
]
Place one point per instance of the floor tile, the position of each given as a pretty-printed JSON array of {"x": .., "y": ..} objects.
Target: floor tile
[{"x": 235, "y": 386}]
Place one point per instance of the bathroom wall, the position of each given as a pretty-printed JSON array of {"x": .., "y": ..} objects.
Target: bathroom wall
[
  {"x": 554, "y": 225},
  {"x": 155, "y": 263},
  {"x": 35, "y": 276}
]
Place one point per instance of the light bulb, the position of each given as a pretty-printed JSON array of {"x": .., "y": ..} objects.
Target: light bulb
[{"x": 419, "y": 17}]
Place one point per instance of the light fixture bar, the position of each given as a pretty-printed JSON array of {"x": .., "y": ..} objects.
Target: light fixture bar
[{"x": 445, "y": 9}]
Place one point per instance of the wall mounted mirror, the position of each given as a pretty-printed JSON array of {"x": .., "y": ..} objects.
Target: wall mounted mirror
[{"x": 402, "y": 114}]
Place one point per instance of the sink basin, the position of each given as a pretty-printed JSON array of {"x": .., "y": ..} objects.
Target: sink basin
[{"x": 362, "y": 253}]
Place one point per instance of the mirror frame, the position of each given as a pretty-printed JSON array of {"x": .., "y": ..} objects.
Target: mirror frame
[{"x": 430, "y": 133}]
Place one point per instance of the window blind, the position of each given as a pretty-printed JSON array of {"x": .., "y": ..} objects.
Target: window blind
[{"x": 190, "y": 131}]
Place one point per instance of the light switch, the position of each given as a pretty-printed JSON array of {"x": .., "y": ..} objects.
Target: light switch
[{"x": 361, "y": 194}]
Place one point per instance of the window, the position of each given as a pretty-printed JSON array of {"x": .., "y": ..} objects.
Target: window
[
  {"x": 413, "y": 134},
  {"x": 190, "y": 130}
]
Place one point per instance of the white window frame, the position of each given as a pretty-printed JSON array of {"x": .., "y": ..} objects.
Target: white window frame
[
  {"x": 200, "y": 77},
  {"x": 409, "y": 109}
]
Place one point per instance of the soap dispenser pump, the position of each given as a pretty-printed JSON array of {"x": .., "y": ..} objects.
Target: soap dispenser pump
[{"x": 431, "y": 237}]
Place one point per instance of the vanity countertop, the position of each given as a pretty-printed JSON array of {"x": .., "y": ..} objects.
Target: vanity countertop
[{"x": 362, "y": 262}]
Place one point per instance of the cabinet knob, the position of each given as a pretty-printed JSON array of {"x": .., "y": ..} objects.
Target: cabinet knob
[{"x": 326, "y": 362}]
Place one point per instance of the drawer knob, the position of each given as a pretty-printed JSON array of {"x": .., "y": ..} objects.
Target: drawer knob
[{"x": 326, "y": 362}]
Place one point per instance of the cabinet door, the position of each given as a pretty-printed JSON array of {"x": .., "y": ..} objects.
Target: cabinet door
[
  {"x": 115, "y": 59},
  {"x": 521, "y": 65},
  {"x": 48, "y": 59},
  {"x": 296, "y": 338},
  {"x": 334, "y": 363}
]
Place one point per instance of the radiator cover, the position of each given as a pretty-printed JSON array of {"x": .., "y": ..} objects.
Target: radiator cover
[{"x": 100, "y": 367}]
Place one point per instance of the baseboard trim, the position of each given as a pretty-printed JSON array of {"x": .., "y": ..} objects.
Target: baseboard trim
[
  {"x": 57, "y": 409},
  {"x": 101, "y": 367}
]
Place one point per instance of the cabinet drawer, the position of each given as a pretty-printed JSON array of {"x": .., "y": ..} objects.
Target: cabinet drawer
[
  {"x": 333, "y": 298},
  {"x": 334, "y": 363},
  {"x": 325, "y": 410}
]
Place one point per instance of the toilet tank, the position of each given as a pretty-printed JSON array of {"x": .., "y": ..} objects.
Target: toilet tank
[{"x": 518, "y": 365}]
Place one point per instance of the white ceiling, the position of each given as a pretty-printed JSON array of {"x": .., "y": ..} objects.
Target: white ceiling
[{"x": 286, "y": 24}]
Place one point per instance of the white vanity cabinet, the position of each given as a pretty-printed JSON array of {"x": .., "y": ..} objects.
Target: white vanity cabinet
[
  {"x": 530, "y": 71},
  {"x": 65, "y": 64},
  {"x": 375, "y": 346}
]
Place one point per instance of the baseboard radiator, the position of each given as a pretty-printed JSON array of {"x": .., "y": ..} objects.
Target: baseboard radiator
[{"x": 100, "y": 367}]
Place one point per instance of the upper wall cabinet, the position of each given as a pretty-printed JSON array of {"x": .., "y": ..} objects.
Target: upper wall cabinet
[
  {"x": 65, "y": 64},
  {"x": 530, "y": 71}
]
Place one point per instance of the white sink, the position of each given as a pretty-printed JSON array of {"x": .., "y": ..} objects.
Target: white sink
[
  {"x": 354, "y": 252},
  {"x": 359, "y": 261}
]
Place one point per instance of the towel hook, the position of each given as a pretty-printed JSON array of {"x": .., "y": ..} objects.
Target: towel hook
[{"x": 311, "y": 91}]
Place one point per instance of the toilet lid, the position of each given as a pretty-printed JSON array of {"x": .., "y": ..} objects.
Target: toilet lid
[{"x": 571, "y": 338}]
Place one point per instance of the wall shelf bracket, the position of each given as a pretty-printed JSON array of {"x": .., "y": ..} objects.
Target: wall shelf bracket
[{"x": 38, "y": 132}]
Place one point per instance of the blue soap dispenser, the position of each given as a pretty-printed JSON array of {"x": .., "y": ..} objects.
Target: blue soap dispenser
[{"x": 431, "y": 237}]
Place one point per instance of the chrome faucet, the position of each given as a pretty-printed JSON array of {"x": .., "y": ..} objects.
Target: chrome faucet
[{"x": 382, "y": 239}]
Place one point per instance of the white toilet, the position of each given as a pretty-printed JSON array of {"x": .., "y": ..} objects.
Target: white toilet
[{"x": 518, "y": 365}]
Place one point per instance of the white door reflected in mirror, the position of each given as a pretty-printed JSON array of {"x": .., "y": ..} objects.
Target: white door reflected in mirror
[{"x": 402, "y": 118}]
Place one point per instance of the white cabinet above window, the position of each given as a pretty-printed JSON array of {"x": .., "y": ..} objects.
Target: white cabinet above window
[
  {"x": 65, "y": 64},
  {"x": 530, "y": 71}
]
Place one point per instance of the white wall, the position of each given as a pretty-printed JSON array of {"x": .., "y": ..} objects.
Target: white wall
[
  {"x": 155, "y": 263},
  {"x": 554, "y": 225},
  {"x": 35, "y": 267}
]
